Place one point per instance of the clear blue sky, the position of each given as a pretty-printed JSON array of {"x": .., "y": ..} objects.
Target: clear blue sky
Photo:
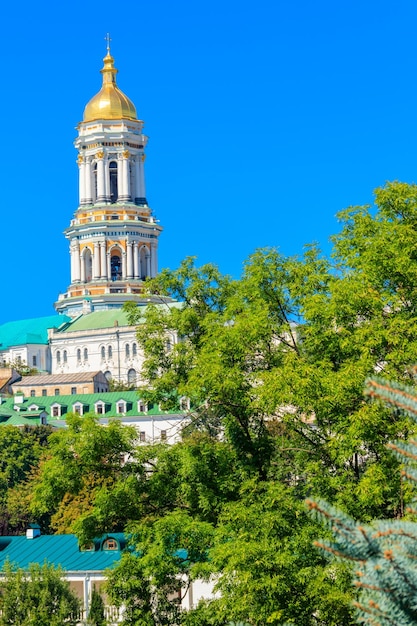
[{"x": 265, "y": 119}]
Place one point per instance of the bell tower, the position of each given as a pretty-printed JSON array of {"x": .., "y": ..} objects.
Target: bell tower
[{"x": 113, "y": 236}]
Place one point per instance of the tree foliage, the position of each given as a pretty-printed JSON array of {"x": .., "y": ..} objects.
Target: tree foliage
[
  {"x": 38, "y": 597},
  {"x": 384, "y": 552}
]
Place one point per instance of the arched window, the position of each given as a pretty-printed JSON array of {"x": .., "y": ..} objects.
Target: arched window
[
  {"x": 110, "y": 544},
  {"x": 116, "y": 267},
  {"x": 113, "y": 181},
  {"x": 103, "y": 353},
  {"x": 79, "y": 355},
  {"x": 134, "y": 349},
  {"x": 143, "y": 263},
  {"x": 131, "y": 376},
  {"x": 108, "y": 375},
  {"x": 110, "y": 352},
  {"x": 88, "y": 265},
  {"x": 65, "y": 355},
  {"x": 58, "y": 357},
  {"x": 85, "y": 354},
  {"x": 127, "y": 350}
]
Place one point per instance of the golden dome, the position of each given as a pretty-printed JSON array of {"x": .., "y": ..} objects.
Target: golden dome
[{"x": 109, "y": 103}]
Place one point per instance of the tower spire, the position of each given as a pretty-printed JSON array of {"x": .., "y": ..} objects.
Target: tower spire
[{"x": 108, "y": 40}]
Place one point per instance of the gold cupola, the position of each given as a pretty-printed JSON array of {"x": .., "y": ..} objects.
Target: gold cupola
[{"x": 110, "y": 103}]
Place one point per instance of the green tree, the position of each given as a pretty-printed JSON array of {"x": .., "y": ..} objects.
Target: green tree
[
  {"x": 277, "y": 360},
  {"x": 82, "y": 462},
  {"x": 383, "y": 552},
  {"x": 96, "y": 616},
  {"x": 37, "y": 597},
  {"x": 20, "y": 453}
]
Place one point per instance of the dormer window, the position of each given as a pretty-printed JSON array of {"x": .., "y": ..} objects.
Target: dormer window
[
  {"x": 121, "y": 406},
  {"x": 56, "y": 410},
  {"x": 110, "y": 544},
  {"x": 77, "y": 408},
  {"x": 142, "y": 406},
  {"x": 99, "y": 408}
]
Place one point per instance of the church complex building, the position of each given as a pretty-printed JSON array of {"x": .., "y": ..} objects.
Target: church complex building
[{"x": 113, "y": 242}]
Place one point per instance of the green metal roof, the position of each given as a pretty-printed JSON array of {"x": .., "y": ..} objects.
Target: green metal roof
[
  {"x": 98, "y": 319},
  {"x": 107, "y": 318},
  {"x": 33, "y": 331},
  {"x": 88, "y": 400},
  {"x": 60, "y": 550}
]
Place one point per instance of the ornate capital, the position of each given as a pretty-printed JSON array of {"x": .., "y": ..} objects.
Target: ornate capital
[
  {"x": 126, "y": 154},
  {"x": 143, "y": 157},
  {"x": 99, "y": 154},
  {"x": 80, "y": 159}
]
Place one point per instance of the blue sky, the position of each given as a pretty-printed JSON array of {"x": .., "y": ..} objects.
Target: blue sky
[{"x": 265, "y": 119}]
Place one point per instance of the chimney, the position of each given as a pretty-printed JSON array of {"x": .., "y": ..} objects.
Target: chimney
[{"x": 33, "y": 531}]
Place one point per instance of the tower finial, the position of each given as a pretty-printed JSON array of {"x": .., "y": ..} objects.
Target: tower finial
[{"x": 108, "y": 39}]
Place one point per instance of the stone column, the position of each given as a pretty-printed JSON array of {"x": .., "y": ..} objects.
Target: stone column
[
  {"x": 129, "y": 259},
  {"x": 142, "y": 176},
  {"x": 124, "y": 265},
  {"x": 82, "y": 268},
  {"x": 96, "y": 261},
  {"x": 103, "y": 264},
  {"x": 120, "y": 177},
  {"x": 154, "y": 259},
  {"x": 75, "y": 261},
  {"x": 137, "y": 177},
  {"x": 108, "y": 266},
  {"x": 136, "y": 262},
  {"x": 81, "y": 174},
  {"x": 125, "y": 188},
  {"x": 148, "y": 263},
  {"x": 101, "y": 185},
  {"x": 88, "y": 181}
]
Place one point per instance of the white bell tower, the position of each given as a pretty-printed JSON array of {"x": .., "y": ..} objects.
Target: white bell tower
[{"x": 113, "y": 236}]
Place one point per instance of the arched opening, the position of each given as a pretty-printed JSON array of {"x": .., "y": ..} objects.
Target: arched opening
[
  {"x": 131, "y": 376},
  {"x": 108, "y": 375},
  {"x": 88, "y": 264},
  {"x": 116, "y": 266},
  {"x": 114, "y": 194},
  {"x": 143, "y": 263}
]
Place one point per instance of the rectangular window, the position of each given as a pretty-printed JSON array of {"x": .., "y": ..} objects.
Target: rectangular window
[
  {"x": 57, "y": 392},
  {"x": 32, "y": 393},
  {"x": 55, "y": 411},
  {"x": 44, "y": 392},
  {"x": 99, "y": 409},
  {"x": 73, "y": 391},
  {"x": 163, "y": 435},
  {"x": 34, "y": 361},
  {"x": 142, "y": 435}
]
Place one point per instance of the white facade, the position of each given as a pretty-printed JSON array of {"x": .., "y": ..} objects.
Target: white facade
[{"x": 114, "y": 351}]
